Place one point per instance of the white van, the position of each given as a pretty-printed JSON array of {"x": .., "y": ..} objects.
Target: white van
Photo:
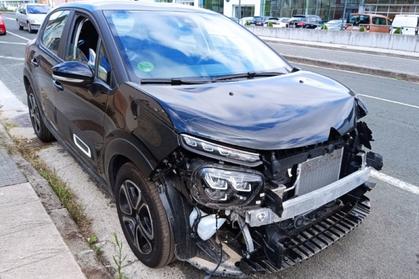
[{"x": 408, "y": 24}]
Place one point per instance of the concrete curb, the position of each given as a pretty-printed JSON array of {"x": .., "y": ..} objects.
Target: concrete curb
[
  {"x": 383, "y": 52},
  {"x": 85, "y": 257},
  {"x": 353, "y": 68}
]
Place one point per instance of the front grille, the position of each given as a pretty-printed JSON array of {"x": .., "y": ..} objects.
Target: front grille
[
  {"x": 318, "y": 172},
  {"x": 300, "y": 246}
]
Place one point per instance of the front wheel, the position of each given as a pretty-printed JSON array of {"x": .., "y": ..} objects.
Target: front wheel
[{"x": 143, "y": 218}]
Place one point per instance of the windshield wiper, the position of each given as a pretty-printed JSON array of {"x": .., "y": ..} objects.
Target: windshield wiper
[
  {"x": 248, "y": 75},
  {"x": 172, "y": 81}
]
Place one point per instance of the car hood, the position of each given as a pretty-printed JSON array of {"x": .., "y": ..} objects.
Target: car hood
[
  {"x": 273, "y": 113},
  {"x": 39, "y": 18}
]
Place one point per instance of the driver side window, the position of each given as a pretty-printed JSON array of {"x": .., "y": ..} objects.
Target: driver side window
[
  {"x": 86, "y": 47},
  {"x": 84, "y": 42}
]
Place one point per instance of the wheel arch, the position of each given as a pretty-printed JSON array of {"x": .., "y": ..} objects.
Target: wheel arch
[{"x": 120, "y": 151}]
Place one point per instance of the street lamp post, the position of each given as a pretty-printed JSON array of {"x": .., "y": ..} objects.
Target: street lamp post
[
  {"x": 344, "y": 13},
  {"x": 306, "y": 11},
  {"x": 240, "y": 9}
]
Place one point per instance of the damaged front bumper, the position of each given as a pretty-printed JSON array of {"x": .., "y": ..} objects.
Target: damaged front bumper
[
  {"x": 309, "y": 224},
  {"x": 309, "y": 201},
  {"x": 270, "y": 211}
]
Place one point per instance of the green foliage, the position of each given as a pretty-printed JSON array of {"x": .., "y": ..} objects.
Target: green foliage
[
  {"x": 362, "y": 29},
  {"x": 270, "y": 24},
  {"x": 324, "y": 27},
  {"x": 118, "y": 259},
  {"x": 398, "y": 31}
]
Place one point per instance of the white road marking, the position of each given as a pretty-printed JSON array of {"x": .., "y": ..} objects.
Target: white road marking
[
  {"x": 12, "y": 43},
  {"x": 10, "y": 18},
  {"x": 12, "y": 58},
  {"x": 389, "y": 101},
  {"x": 395, "y": 182},
  {"x": 16, "y": 35}
]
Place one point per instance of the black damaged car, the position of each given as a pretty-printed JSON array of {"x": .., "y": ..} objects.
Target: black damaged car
[{"x": 217, "y": 151}]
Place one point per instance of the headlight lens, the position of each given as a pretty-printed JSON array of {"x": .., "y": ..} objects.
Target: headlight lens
[
  {"x": 217, "y": 151},
  {"x": 221, "y": 188}
]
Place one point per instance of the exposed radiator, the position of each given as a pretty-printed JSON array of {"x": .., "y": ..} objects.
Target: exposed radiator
[{"x": 318, "y": 172}]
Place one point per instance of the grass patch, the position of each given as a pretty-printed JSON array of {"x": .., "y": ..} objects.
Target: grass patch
[
  {"x": 118, "y": 259},
  {"x": 94, "y": 245},
  {"x": 64, "y": 194},
  {"x": 9, "y": 125}
]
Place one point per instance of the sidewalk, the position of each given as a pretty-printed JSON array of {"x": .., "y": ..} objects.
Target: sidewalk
[
  {"x": 400, "y": 67},
  {"x": 30, "y": 244}
]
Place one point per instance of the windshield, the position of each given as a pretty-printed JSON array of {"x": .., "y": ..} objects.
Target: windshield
[
  {"x": 37, "y": 9},
  {"x": 158, "y": 44}
]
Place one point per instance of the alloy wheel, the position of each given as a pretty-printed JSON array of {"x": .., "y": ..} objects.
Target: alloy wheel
[
  {"x": 136, "y": 217},
  {"x": 34, "y": 113}
]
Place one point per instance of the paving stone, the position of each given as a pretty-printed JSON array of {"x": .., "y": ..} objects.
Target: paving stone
[
  {"x": 31, "y": 246},
  {"x": 9, "y": 173}
]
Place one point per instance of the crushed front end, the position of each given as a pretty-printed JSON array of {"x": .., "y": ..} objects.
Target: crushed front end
[{"x": 240, "y": 212}]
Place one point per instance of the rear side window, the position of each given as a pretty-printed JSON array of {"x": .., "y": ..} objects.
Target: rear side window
[
  {"x": 379, "y": 21},
  {"x": 54, "y": 30}
]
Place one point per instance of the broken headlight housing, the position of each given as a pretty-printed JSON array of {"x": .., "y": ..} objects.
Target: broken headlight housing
[
  {"x": 220, "y": 152},
  {"x": 217, "y": 187}
]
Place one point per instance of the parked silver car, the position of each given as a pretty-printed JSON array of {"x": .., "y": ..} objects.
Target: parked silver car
[{"x": 31, "y": 16}]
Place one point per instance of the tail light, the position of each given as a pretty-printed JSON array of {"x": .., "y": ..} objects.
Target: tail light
[{"x": 301, "y": 23}]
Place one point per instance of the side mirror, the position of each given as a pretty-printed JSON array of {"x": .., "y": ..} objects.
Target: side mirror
[{"x": 73, "y": 72}]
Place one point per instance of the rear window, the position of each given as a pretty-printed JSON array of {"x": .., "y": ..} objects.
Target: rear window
[
  {"x": 379, "y": 21},
  {"x": 357, "y": 20}
]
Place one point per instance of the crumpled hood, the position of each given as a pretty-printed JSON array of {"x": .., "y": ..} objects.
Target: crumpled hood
[{"x": 274, "y": 113}]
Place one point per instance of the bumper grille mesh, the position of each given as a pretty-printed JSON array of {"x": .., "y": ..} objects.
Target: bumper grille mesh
[{"x": 317, "y": 237}]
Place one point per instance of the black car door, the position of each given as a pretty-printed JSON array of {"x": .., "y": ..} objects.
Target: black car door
[
  {"x": 44, "y": 57},
  {"x": 81, "y": 107}
]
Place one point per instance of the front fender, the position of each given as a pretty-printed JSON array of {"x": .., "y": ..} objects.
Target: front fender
[{"x": 131, "y": 149}]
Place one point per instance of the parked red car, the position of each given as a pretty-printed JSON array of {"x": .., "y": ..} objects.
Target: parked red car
[{"x": 2, "y": 26}]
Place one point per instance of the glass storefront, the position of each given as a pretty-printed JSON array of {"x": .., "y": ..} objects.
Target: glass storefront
[
  {"x": 215, "y": 5},
  {"x": 334, "y": 9},
  {"x": 391, "y": 8},
  {"x": 326, "y": 9}
]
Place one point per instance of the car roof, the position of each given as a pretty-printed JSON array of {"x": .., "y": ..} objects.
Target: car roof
[{"x": 94, "y": 6}]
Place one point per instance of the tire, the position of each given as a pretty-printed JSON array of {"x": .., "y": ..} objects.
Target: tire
[
  {"x": 37, "y": 121},
  {"x": 143, "y": 218},
  {"x": 20, "y": 26}
]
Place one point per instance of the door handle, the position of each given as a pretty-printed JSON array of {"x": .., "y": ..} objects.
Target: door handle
[
  {"x": 34, "y": 62},
  {"x": 58, "y": 84}
]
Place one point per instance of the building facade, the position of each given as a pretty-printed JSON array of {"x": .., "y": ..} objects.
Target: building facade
[{"x": 326, "y": 9}]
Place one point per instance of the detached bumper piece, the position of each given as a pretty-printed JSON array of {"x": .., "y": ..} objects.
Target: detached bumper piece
[{"x": 300, "y": 245}]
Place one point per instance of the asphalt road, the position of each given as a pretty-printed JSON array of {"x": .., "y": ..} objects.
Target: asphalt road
[
  {"x": 405, "y": 65},
  {"x": 387, "y": 244}
]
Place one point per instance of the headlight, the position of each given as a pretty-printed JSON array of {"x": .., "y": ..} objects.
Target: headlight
[
  {"x": 222, "y": 188},
  {"x": 220, "y": 152}
]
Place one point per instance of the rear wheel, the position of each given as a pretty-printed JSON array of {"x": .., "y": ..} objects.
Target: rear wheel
[
  {"x": 37, "y": 121},
  {"x": 143, "y": 218}
]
